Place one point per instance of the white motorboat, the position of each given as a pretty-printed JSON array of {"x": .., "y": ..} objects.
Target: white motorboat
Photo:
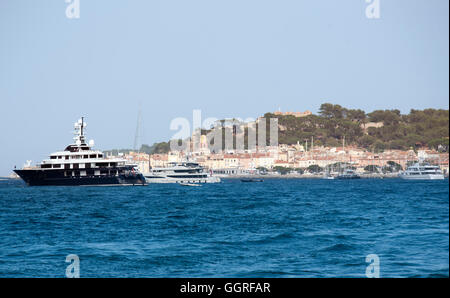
[
  {"x": 185, "y": 172},
  {"x": 420, "y": 171}
]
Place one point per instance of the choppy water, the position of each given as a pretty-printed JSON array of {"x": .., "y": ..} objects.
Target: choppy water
[{"x": 278, "y": 228}]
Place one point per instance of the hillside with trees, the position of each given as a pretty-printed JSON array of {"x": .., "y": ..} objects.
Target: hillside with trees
[{"x": 376, "y": 131}]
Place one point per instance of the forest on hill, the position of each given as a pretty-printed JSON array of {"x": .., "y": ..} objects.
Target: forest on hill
[{"x": 376, "y": 131}]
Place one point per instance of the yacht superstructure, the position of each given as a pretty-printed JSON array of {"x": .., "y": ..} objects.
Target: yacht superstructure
[{"x": 79, "y": 164}]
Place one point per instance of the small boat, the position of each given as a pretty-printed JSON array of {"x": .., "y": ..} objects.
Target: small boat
[
  {"x": 348, "y": 174},
  {"x": 189, "y": 184},
  {"x": 328, "y": 176},
  {"x": 252, "y": 180}
]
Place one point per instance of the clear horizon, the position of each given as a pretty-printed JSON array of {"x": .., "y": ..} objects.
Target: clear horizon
[{"x": 226, "y": 58}]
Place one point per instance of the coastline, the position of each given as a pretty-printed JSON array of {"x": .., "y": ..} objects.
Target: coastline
[{"x": 271, "y": 176}]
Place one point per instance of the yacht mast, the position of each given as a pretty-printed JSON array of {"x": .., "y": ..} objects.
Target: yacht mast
[{"x": 82, "y": 124}]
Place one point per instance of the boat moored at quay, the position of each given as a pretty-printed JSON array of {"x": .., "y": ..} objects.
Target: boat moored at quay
[
  {"x": 422, "y": 171},
  {"x": 348, "y": 174},
  {"x": 80, "y": 165},
  {"x": 181, "y": 172}
]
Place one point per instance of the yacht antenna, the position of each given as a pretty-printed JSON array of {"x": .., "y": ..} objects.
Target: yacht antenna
[
  {"x": 82, "y": 124},
  {"x": 79, "y": 133}
]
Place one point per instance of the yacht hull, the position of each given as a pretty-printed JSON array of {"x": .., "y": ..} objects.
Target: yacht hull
[
  {"x": 57, "y": 178},
  {"x": 153, "y": 179},
  {"x": 348, "y": 177},
  {"x": 423, "y": 177}
]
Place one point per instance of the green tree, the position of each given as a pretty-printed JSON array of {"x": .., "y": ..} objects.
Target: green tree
[
  {"x": 393, "y": 166},
  {"x": 371, "y": 169},
  {"x": 356, "y": 115},
  {"x": 282, "y": 170},
  {"x": 441, "y": 144},
  {"x": 315, "y": 169},
  {"x": 379, "y": 146},
  {"x": 300, "y": 170},
  {"x": 262, "y": 169},
  {"x": 388, "y": 117},
  {"x": 329, "y": 110}
]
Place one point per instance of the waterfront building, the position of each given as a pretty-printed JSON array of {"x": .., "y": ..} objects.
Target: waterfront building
[
  {"x": 295, "y": 114},
  {"x": 291, "y": 156}
]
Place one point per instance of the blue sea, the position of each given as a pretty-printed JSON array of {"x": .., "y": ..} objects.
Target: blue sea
[{"x": 277, "y": 228}]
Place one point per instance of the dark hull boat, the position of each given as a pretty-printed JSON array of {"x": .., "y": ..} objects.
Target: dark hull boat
[
  {"x": 58, "y": 177},
  {"x": 79, "y": 165},
  {"x": 348, "y": 177},
  {"x": 251, "y": 180}
]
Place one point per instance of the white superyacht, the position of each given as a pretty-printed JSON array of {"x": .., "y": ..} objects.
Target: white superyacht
[
  {"x": 420, "y": 171},
  {"x": 182, "y": 173}
]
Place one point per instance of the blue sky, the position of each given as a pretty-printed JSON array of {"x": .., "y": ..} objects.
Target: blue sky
[{"x": 229, "y": 58}]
